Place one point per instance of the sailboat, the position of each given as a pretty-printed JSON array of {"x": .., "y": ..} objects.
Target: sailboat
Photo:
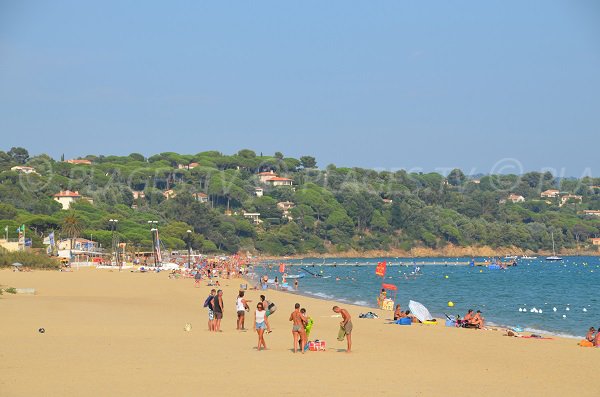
[{"x": 553, "y": 257}]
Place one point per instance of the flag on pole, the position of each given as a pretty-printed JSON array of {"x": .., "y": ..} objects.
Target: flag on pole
[
  {"x": 157, "y": 249},
  {"x": 380, "y": 269}
]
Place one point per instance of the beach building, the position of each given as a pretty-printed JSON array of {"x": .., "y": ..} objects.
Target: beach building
[
  {"x": 24, "y": 169},
  {"x": 595, "y": 240},
  {"x": 570, "y": 197},
  {"x": 254, "y": 217},
  {"x": 10, "y": 245},
  {"x": 79, "y": 162},
  {"x": 201, "y": 197},
  {"x": 387, "y": 201},
  {"x": 550, "y": 193},
  {"x": 258, "y": 191},
  {"x": 66, "y": 197},
  {"x": 79, "y": 244}
]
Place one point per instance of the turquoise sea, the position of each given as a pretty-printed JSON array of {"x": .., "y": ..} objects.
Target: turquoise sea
[{"x": 563, "y": 294}]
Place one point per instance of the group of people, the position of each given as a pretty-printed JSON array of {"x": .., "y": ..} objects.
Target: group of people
[
  {"x": 214, "y": 304},
  {"x": 591, "y": 339},
  {"x": 398, "y": 314},
  {"x": 471, "y": 320},
  {"x": 301, "y": 322}
]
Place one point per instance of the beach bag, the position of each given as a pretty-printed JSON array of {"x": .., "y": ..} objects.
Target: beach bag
[
  {"x": 208, "y": 302},
  {"x": 316, "y": 346},
  {"x": 272, "y": 308}
]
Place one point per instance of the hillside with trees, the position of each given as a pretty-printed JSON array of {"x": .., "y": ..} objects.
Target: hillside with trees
[{"x": 279, "y": 205}]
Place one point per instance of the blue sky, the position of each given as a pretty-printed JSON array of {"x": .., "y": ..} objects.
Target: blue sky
[{"x": 387, "y": 84}]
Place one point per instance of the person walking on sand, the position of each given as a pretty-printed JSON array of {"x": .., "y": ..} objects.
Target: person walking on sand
[
  {"x": 261, "y": 322},
  {"x": 218, "y": 309},
  {"x": 345, "y": 326},
  {"x": 298, "y": 327},
  {"x": 241, "y": 305}
]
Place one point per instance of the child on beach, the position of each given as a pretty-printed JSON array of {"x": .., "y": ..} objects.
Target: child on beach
[{"x": 261, "y": 322}]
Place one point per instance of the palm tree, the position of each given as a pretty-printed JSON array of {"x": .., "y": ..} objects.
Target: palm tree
[{"x": 72, "y": 227}]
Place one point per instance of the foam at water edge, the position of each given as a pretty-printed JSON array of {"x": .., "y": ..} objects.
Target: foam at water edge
[{"x": 537, "y": 331}]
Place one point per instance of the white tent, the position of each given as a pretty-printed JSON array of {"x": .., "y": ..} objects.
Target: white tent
[
  {"x": 419, "y": 311},
  {"x": 169, "y": 266}
]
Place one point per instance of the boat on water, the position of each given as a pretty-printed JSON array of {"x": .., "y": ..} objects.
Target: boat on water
[
  {"x": 528, "y": 257},
  {"x": 293, "y": 276},
  {"x": 511, "y": 257},
  {"x": 554, "y": 257}
]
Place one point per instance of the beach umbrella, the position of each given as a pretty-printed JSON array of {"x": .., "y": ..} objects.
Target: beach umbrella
[{"x": 419, "y": 311}]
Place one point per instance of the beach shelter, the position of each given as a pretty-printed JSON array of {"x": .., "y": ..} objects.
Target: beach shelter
[
  {"x": 419, "y": 311},
  {"x": 390, "y": 287}
]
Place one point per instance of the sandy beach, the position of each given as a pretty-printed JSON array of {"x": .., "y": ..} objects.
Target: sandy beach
[{"x": 122, "y": 333}]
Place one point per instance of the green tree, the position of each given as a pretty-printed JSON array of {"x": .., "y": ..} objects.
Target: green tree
[
  {"x": 308, "y": 162},
  {"x": 71, "y": 227}
]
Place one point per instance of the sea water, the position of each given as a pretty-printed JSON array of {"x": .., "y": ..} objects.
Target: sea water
[{"x": 554, "y": 297}]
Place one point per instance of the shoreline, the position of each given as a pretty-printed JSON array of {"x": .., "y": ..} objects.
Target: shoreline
[{"x": 496, "y": 327}]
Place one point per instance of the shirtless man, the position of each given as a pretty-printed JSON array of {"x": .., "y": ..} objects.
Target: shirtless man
[
  {"x": 478, "y": 320},
  {"x": 298, "y": 331},
  {"x": 468, "y": 318},
  {"x": 346, "y": 325}
]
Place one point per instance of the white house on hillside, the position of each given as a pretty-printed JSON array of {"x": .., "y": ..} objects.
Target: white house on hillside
[
  {"x": 66, "y": 197},
  {"x": 279, "y": 181},
  {"x": 24, "y": 169},
  {"x": 201, "y": 197}
]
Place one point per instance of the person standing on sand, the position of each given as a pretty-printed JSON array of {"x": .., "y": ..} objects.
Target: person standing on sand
[
  {"x": 241, "y": 305},
  {"x": 208, "y": 303},
  {"x": 218, "y": 309},
  {"x": 345, "y": 326},
  {"x": 298, "y": 327},
  {"x": 261, "y": 322}
]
